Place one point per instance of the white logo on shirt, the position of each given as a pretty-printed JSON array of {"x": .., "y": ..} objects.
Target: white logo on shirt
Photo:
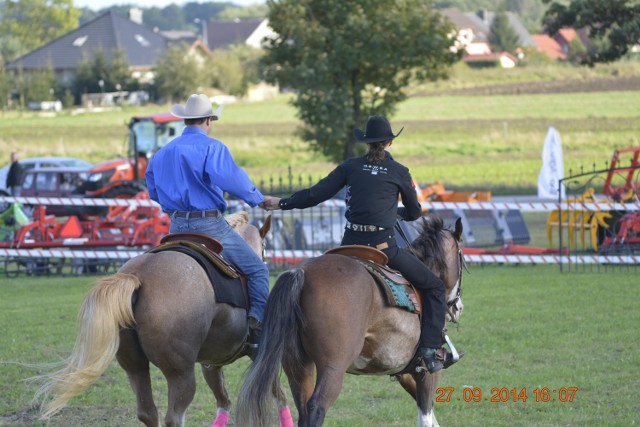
[{"x": 374, "y": 169}]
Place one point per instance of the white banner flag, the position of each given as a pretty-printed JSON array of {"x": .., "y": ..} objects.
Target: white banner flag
[{"x": 552, "y": 167}]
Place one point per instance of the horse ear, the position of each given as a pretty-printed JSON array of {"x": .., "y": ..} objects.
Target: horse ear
[
  {"x": 266, "y": 226},
  {"x": 458, "y": 232}
]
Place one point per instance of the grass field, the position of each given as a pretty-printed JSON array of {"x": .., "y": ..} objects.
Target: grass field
[
  {"x": 484, "y": 142},
  {"x": 524, "y": 327}
]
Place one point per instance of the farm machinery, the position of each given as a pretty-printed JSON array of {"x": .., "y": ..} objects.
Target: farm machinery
[
  {"x": 601, "y": 221},
  {"x": 123, "y": 229},
  {"x": 124, "y": 177}
]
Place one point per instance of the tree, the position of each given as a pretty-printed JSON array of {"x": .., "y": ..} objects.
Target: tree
[
  {"x": 255, "y": 11},
  {"x": 614, "y": 24},
  {"x": 114, "y": 74},
  {"x": 177, "y": 75},
  {"x": 39, "y": 85},
  {"x": 577, "y": 51},
  {"x": 5, "y": 86},
  {"x": 35, "y": 22},
  {"x": 233, "y": 70},
  {"x": 349, "y": 60},
  {"x": 502, "y": 37}
]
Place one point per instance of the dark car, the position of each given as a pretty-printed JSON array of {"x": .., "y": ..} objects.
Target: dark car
[{"x": 53, "y": 182}]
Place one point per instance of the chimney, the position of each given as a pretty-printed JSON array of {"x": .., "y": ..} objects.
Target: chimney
[{"x": 135, "y": 15}]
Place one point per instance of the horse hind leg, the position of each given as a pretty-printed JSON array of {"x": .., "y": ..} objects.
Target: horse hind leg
[
  {"x": 182, "y": 389},
  {"x": 214, "y": 376},
  {"x": 328, "y": 387},
  {"x": 133, "y": 360},
  {"x": 301, "y": 382}
]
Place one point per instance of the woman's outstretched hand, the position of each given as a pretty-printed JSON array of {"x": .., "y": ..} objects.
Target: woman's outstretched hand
[{"x": 270, "y": 203}]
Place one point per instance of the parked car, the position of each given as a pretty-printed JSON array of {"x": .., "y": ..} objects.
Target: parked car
[
  {"x": 54, "y": 182},
  {"x": 39, "y": 163}
]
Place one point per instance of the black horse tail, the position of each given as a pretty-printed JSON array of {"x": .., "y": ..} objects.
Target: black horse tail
[{"x": 280, "y": 339}]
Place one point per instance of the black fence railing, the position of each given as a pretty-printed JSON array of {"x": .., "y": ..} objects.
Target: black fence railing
[{"x": 284, "y": 186}]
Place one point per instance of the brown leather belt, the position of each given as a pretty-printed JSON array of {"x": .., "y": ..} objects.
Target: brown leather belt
[
  {"x": 195, "y": 214},
  {"x": 363, "y": 228}
]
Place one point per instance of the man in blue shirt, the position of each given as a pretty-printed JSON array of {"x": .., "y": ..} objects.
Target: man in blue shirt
[{"x": 188, "y": 178}]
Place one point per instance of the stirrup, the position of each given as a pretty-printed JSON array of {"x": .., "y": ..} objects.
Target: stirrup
[{"x": 451, "y": 358}]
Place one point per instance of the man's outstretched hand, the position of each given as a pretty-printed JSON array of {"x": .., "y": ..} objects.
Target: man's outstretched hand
[{"x": 270, "y": 203}]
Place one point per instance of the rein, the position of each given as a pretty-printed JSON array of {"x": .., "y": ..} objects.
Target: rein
[{"x": 400, "y": 231}]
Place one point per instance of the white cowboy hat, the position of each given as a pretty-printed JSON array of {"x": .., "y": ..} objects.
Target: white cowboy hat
[{"x": 197, "y": 107}]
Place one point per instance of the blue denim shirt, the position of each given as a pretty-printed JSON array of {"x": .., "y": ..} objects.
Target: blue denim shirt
[{"x": 192, "y": 173}]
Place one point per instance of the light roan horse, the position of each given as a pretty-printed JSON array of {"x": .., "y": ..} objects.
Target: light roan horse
[
  {"x": 174, "y": 322},
  {"x": 330, "y": 315}
]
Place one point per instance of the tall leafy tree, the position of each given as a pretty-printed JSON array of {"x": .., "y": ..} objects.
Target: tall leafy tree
[
  {"x": 39, "y": 85},
  {"x": 5, "y": 86},
  {"x": 177, "y": 75},
  {"x": 114, "y": 74},
  {"x": 614, "y": 24},
  {"x": 349, "y": 60},
  {"x": 502, "y": 36},
  {"x": 35, "y": 22}
]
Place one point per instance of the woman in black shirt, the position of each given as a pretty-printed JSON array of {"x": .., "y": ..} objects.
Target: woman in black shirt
[{"x": 373, "y": 183}]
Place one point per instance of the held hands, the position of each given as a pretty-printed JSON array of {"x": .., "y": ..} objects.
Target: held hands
[{"x": 270, "y": 203}]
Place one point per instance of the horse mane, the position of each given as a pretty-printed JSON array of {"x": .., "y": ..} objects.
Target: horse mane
[
  {"x": 428, "y": 246},
  {"x": 237, "y": 219}
]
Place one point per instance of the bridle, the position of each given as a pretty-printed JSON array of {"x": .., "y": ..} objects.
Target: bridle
[{"x": 461, "y": 264}]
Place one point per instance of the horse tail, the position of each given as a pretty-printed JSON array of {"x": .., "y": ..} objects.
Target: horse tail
[
  {"x": 280, "y": 338},
  {"x": 106, "y": 308}
]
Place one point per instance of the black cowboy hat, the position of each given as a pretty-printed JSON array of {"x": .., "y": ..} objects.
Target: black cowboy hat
[{"x": 378, "y": 130}]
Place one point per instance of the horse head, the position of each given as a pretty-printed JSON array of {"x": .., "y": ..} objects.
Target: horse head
[
  {"x": 239, "y": 221},
  {"x": 441, "y": 250}
]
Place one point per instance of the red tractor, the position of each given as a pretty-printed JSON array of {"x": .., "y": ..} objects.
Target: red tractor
[{"x": 124, "y": 177}]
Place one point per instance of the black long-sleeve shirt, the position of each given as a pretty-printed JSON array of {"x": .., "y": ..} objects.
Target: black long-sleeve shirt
[
  {"x": 15, "y": 176},
  {"x": 371, "y": 192}
]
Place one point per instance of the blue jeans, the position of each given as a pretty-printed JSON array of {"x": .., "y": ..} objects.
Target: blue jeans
[{"x": 237, "y": 252}]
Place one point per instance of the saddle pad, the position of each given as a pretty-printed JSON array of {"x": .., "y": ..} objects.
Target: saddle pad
[
  {"x": 228, "y": 290},
  {"x": 399, "y": 294}
]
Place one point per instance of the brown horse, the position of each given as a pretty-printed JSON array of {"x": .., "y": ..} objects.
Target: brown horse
[
  {"x": 330, "y": 314},
  {"x": 174, "y": 322}
]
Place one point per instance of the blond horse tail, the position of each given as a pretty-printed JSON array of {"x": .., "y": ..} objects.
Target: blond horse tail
[{"x": 106, "y": 309}]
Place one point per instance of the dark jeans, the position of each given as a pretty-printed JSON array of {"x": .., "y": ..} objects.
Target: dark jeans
[{"x": 430, "y": 286}]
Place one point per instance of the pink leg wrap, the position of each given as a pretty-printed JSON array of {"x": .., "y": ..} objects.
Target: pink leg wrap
[
  {"x": 222, "y": 417},
  {"x": 285, "y": 417}
]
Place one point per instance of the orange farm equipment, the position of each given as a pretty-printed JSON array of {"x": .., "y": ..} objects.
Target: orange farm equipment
[{"x": 124, "y": 177}]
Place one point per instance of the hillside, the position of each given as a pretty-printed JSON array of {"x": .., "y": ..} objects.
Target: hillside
[{"x": 592, "y": 84}]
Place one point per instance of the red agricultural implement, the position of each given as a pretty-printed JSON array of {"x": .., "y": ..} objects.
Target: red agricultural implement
[
  {"x": 611, "y": 231},
  {"x": 124, "y": 229}
]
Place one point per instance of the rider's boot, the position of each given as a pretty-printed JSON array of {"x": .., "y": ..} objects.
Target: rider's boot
[
  {"x": 439, "y": 358},
  {"x": 255, "y": 330}
]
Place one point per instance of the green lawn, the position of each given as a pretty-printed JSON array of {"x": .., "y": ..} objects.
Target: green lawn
[{"x": 524, "y": 327}]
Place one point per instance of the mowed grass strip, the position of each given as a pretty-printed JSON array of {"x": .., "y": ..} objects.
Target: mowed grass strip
[{"x": 524, "y": 327}]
